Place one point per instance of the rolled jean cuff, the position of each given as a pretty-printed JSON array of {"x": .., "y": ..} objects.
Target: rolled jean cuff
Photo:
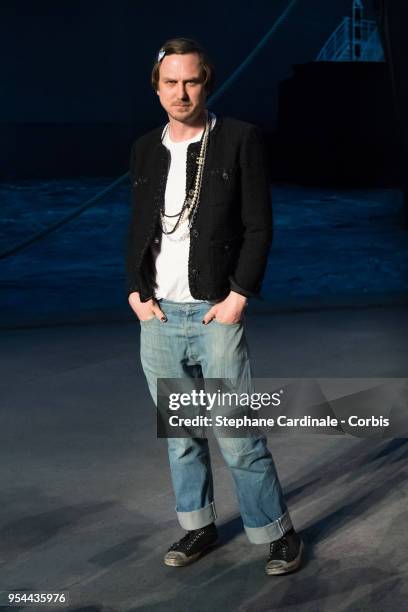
[
  {"x": 197, "y": 518},
  {"x": 272, "y": 531}
]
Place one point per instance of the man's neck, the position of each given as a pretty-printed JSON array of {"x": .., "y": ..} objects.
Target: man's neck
[{"x": 179, "y": 131}]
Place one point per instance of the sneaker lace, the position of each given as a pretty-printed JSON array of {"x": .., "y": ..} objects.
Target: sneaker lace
[
  {"x": 279, "y": 548},
  {"x": 187, "y": 541}
]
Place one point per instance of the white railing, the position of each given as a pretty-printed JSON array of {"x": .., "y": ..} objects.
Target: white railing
[
  {"x": 353, "y": 41},
  {"x": 372, "y": 50},
  {"x": 338, "y": 44}
]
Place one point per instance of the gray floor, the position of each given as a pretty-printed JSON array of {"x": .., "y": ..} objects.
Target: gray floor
[{"x": 87, "y": 505}]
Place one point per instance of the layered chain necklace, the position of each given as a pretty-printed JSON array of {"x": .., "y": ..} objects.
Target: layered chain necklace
[{"x": 187, "y": 213}]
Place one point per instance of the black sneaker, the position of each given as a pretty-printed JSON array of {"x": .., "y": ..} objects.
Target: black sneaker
[
  {"x": 191, "y": 546},
  {"x": 285, "y": 554}
]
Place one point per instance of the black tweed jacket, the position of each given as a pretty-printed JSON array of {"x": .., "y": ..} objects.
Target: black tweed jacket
[{"x": 232, "y": 231}]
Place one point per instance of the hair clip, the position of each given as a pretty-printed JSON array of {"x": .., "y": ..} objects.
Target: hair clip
[{"x": 160, "y": 55}]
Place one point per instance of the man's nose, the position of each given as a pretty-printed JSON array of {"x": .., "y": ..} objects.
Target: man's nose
[{"x": 181, "y": 91}]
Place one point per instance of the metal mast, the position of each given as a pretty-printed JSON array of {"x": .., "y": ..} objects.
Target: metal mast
[{"x": 356, "y": 30}]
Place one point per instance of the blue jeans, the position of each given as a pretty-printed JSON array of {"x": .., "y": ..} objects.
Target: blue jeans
[{"x": 184, "y": 347}]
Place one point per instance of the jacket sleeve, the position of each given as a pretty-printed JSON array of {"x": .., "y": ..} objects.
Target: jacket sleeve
[
  {"x": 256, "y": 216},
  {"x": 131, "y": 276}
]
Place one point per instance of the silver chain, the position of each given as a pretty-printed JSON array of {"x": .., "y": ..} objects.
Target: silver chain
[{"x": 190, "y": 207}]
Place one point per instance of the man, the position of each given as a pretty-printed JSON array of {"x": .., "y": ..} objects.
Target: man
[{"x": 198, "y": 245}]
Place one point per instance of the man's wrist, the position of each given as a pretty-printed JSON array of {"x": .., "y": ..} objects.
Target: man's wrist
[
  {"x": 238, "y": 289},
  {"x": 240, "y": 299}
]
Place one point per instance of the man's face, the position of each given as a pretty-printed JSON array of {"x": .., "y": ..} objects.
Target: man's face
[{"x": 180, "y": 88}]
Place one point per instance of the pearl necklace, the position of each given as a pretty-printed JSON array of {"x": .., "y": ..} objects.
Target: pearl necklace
[{"x": 189, "y": 209}]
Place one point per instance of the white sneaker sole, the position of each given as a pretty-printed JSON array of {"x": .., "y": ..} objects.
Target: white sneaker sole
[
  {"x": 182, "y": 560},
  {"x": 280, "y": 567}
]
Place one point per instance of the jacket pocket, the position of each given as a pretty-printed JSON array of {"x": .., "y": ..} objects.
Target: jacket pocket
[
  {"x": 139, "y": 181},
  {"x": 141, "y": 198},
  {"x": 140, "y": 188},
  {"x": 224, "y": 255},
  {"x": 224, "y": 185}
]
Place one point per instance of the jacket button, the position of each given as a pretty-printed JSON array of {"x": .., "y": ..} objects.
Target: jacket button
[
  {"x": 191, "y": 192},
  {"x": 226, "y": 247},
  {"x": 225, "y": 175},
  {"x": 194, "y": 272},
  {"x": 194, "y": 233}
]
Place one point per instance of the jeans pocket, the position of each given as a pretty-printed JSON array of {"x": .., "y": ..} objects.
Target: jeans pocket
[
  {"x": 227, "y": 324},
  {"x": 147, "y": 320}
]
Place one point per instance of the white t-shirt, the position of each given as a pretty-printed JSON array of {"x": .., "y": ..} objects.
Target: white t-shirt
[{"x": 172, "y": 260}]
